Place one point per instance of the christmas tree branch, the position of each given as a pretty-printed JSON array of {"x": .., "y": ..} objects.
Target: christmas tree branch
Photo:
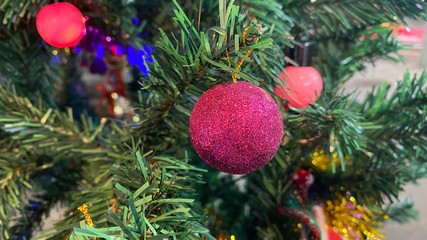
[
  {"x": 272, "y": 13},
  {"x": 44, "y": 140},
  {"x": 397, "y": 126},
  {"x": 49, "y": 131},
  {"x": 146, "y": 198},
  {"x": 402, "y": 212},
  {"x": 322, "y": 18},
  {"x": 330, "y": 127},
  {"x": 14, "y": 183},
  {"x": 391, "y": 154},
  {"x": 339, "y": 61},
  {"x": 44, "y": 127},
  {"x": 28, "y": 67},
  {"x": 197, "y": 60},
  {"x": 13, "y": 13}
]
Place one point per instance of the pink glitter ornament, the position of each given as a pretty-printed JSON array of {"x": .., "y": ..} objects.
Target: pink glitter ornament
[
  {"x": 302, "y": 86},
  {"x": 236, "y": 127}
]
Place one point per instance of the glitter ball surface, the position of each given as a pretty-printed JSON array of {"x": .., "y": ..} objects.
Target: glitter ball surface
[{"x": 236, "y": 127}]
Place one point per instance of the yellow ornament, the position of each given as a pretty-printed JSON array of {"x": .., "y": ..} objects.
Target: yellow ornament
[{"x": 322, "y": 161}]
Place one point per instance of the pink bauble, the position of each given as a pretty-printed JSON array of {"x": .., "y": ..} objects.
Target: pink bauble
[
  {"x": 302, "y": 86},
  {"x": 236, "y": 127},
  {"x": 60, "y": 24}
]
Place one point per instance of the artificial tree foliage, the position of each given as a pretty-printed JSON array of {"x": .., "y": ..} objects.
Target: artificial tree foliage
[{"x": 144, "y": 180}]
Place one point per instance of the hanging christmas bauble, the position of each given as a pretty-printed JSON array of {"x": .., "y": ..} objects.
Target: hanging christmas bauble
[
  {"x": 60, "y": 24},
  {"x": 236, "y": 127},
  {"x": 301, "y": 86},
  {"x": 303, "y": 179}
]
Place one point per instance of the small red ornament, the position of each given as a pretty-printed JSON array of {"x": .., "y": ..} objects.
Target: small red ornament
[
  {"x": 236, "y": 127},
  {"x": 333, "y": 235},
  {"x": 60, "y": 24},
  {"x": 302, "y": 85},
  {"x": 303, "y": 179}
]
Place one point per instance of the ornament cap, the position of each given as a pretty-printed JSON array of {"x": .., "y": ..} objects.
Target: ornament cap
[{"x": 303, "y": 54}]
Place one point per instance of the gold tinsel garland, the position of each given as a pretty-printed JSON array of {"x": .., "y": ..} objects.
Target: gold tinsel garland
[
  {"x": 344, "y": 215},
  {"x": 353, "y": 221}
]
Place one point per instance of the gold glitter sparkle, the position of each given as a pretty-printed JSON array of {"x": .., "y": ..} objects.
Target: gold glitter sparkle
[
  {"x": 85, "y": 210},
  {"x": 322, "y": 161}
]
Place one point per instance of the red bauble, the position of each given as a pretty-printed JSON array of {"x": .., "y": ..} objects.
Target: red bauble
[
  {"x": 60, "y": 24},
  {"x": 333, "y": 235},
  {"x": 302, "y": 85},
  {"x": 303, "y": 179},
  {"x": 236, "y": 127}
]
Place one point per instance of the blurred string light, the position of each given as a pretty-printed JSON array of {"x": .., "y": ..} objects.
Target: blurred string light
[
  {"x": 99, "y": 52},
  {"x": 139, "y": 58},
  {"x": 135, "y": 57},
  {"x": 98, "y": 43}
]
